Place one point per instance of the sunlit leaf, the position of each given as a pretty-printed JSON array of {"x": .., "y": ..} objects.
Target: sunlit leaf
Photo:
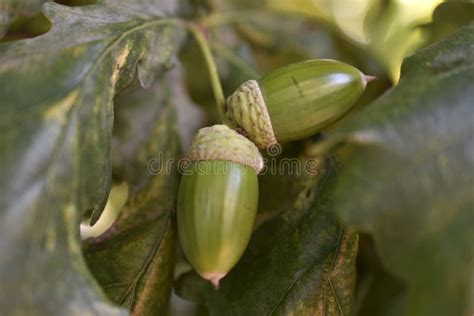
[{"x": 390, "y": 30}]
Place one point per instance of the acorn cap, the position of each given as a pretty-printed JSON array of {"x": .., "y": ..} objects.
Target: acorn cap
[
  {"x": 219, "y": 142},
  {"x": 248, "y": 113}
]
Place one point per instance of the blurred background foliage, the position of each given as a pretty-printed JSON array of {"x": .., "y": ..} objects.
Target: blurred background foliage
[
  {"x": 389, "y": 30},
  {"x": 253, "y": 37},
  {"x": 249, "y": 38}
]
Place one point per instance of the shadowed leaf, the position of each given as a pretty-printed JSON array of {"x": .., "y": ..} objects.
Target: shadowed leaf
[
  {"x": 407, "y": 176},
  {"x": 56, "y": 112},
  {"x": 134, "y": 259}
]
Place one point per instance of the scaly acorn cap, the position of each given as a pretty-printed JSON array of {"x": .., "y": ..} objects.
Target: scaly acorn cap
[
  {"x": 295, "y": 101},
  {"x": 248, "y": 113},
  {"x": 219, "y": 142}
]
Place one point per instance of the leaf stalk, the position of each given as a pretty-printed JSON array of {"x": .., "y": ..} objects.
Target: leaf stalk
[{"x": 212, "y": 68}]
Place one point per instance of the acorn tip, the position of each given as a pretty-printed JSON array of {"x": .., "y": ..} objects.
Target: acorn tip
[
  {"x": 215, "y": 283},
  {"x": 214, "y": 278},
  {"x": 370, "y": 78}
]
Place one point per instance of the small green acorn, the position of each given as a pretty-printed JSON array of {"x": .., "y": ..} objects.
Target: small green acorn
[
  {"x": 295, "y": 101},
  {"x": 217, "y": 200}
]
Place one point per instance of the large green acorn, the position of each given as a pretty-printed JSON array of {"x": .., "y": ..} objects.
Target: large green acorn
[
  {"x": 217, "y": 200},
  {"x": 295, "y": 101}
]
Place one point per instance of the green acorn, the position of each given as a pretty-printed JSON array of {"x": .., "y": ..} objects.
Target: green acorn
[
  {"x": 217, "y": 200},
  {"x": 295, "y": 101}
]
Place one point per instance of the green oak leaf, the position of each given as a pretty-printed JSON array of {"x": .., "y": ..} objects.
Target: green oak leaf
[
  {"x": 299, "y": 263},
  {"x": 134, "y": 260},
  {"x": 153, "y": 7},
  {"x": 407, "y": 176},
  {"x": 11, "y": 8},
  {"x": 56, "y": 117},
  {"x": 378, "y": 292},
  {"x": 448, "y": 18}
]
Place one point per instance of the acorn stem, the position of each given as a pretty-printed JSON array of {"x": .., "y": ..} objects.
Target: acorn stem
[
  {"x": 369, "y": 78},
  {"x": 212, "y": 68}
]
